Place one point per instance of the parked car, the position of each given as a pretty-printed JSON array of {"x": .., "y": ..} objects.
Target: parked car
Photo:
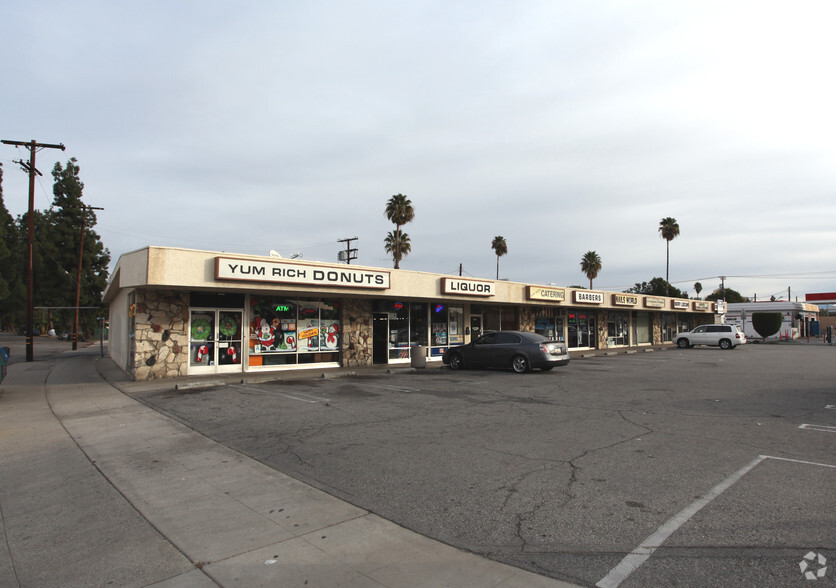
[
  {"x": 519, "y": 350},
  {"x": 722, "y": 336}
]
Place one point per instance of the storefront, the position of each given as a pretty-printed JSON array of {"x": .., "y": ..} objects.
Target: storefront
[{"x": 177, "y": 312}]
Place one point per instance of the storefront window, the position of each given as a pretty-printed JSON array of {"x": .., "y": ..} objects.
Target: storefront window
[
  {"x": 289, "y": 331},
  {"x": 668, "y": 327},
  {"x": 644, "y": 333},
  {"x": 618, "y": 328},
  {"x": 456, "y": 325},
  {"x": 438, "y": 318},
  {"x": 549, "y": 324},
  {"x": 418, "y": 324}
]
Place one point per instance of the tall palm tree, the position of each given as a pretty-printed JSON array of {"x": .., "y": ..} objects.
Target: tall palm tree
[
  {"x": 398, "y": 244},
  {"x": 399, "y": 211},
  {"x": 669, "y": 229},
  {"x": 591, "y": 265},
  {"x": 697, "y": 288},
  {"x": 500, "y": 247}
]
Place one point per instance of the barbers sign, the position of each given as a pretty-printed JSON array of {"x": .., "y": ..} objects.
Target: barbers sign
[{"x": 227, "y": 268}]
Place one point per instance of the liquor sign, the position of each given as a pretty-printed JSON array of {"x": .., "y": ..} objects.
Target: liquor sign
[
  {"x": 543, "y": 293},
  {"x": 467, "y": 287},
  {"x": 227, "y": 268}
]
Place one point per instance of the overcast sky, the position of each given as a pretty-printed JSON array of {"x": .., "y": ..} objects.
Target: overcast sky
[{"x": 563, "y": 126}]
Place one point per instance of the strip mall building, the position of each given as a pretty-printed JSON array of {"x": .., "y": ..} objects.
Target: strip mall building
[{"x": 177, "y": 312}]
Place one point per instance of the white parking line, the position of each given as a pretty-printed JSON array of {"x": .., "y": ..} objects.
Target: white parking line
[
  {"x": 395, "y": 388},
  {"x": 823, "y": 428},
  {"x": 641, "y": 553},
  {"x": 285, "y": 395}
]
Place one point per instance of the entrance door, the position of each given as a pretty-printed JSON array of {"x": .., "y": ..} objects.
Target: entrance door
[
  {"x": 215, "y": 343},
  {"x": 380, "y": 339},
  {"x": 475, "y": 327}
]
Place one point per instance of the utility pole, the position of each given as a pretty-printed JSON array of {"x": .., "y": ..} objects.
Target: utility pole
[
  {"x": 84, "y": 209},
  {"x": 33, "y": 147},
  {"x": 349, "y": 253}
]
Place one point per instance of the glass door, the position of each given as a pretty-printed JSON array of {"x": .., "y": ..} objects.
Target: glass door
[
  {"x": 215, "y": 338},
  {"x": 475, "y": 326}
]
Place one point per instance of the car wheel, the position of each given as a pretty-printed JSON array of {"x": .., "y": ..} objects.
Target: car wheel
[
  {"x": 725, "y": 344},
  {"x": 520, "y": 364},
  {"x": 683, "y": 343},
  {"x": 456, "y": 362}
]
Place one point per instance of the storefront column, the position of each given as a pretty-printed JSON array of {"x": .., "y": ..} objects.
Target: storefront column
[
  {"x": 162, "y": 343},
  {"x": 357, "y": 337},
  {"x": 603, "y": 318},
  {"x": 657, "y": 328}
]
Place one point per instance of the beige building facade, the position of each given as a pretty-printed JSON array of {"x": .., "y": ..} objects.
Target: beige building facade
[{"x": 178, "y": 312}]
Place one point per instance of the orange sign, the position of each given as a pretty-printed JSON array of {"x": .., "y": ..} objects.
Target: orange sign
[{"x": 309, "y": 333}]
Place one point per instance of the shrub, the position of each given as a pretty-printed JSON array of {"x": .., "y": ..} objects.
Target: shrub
[{"x": 767, "y": 323}]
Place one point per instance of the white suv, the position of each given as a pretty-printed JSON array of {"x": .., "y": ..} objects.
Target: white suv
[{"x": 724, "y": 336}]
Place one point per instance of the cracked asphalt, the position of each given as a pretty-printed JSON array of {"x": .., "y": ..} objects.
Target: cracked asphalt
[{"x": 566, "y": 472}]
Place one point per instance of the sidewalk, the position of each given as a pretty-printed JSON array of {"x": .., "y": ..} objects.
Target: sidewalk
[{"x": 98, "y": 489}]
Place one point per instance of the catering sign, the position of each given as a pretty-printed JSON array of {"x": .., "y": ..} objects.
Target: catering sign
[
  {"x": 227, "y": 268},
  {"x": 547, "y": 294}
]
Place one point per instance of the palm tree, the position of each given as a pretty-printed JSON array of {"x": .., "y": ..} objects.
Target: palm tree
[
  {"x": 398, "y": 245},
  {"x": 697, "y": 288},
  {"x": 399, "y": 211},
  {"x": 669, "y": 229},
  {"x": 591, "y": 265},
  {"x": 500, "y": 247}
]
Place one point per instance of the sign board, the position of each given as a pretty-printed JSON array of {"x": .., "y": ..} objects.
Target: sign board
[
  {"x": 587, "y": 297},
  {"x": 467, "y": 287},
  {"x": 548, "y": 294},
  {"x": 284, "y": 272},
  {"x": 654, "y": 302},
  {"x": 625, "y": 299}
]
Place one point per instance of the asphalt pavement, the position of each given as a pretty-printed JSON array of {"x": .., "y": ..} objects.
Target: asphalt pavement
[{"x": 97, "y": 489}]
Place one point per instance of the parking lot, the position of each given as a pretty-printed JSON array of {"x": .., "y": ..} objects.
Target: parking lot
[{"x": 681, "y": 467}]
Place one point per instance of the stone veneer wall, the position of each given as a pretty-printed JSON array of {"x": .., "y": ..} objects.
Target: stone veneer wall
[
  {"x": 356, "y": 337},
  {"x": 657, "y": 328},
  {"x": 602, "y": 328},
  {"x": 162, "y": 343}
]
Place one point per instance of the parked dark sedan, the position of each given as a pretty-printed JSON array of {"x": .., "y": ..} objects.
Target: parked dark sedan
[{"x": 519, "y": 350}]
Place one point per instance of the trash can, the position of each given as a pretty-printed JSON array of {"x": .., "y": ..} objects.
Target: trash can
[{"x": 418, "y": 357}]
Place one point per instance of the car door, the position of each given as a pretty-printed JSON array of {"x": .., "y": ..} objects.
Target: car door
[
  {"x": 699, "y": 336},
  {"x": 507, "y": 346},
  {"x": 479, "y": 354}
]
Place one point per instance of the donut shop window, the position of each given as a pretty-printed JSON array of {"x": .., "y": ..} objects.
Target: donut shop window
[{"x": 287, "y": 331}]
